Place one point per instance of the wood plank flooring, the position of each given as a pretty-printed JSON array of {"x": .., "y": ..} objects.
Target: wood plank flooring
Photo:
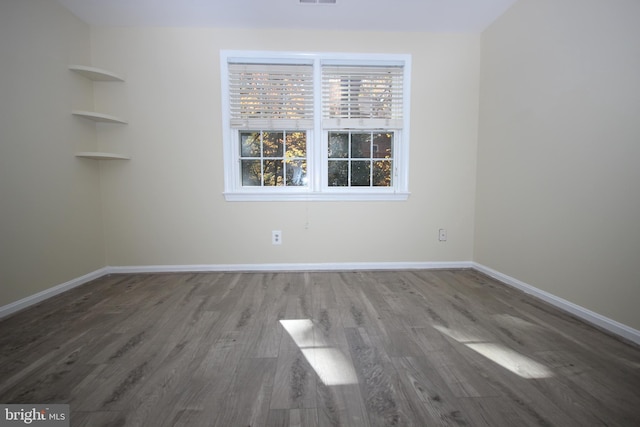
[{"x": 365, "y": 348}]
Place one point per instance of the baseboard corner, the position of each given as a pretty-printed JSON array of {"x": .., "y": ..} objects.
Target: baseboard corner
[
  {"x": 585, "y": 314},
  {"x": 23, "y": 303}
]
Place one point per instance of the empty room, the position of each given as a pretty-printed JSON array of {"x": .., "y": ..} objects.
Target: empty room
[{"x": 319, "y": 213}]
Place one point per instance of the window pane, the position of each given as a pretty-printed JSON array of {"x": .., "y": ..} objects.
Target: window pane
[
  {"x": 273, "y": 173},
  {"x": 338, "y": 145},
  {"x": 296, "y": 172},
  {"x": 250, "y": 144},
  {"x": 360, "y": 145},
  {"x": 273, "y": 144},
  {"x": 296, "y": 145},
  {"x": 251, "y": 172},
  {"x": 382, "y": 173},
  {"x": 382, "y": 145},
  {"x": 361, "y": 169},
  {"x": 338, "y": 173},
  {"x": 360, "y": 173},
  {"x": 263, "y": 158}
]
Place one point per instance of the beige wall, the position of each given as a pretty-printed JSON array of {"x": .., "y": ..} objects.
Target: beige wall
[
  {"x": 558, "y": 196},
  {"x": 165, "y": 206},
  {"x": 50, "y": 213}
]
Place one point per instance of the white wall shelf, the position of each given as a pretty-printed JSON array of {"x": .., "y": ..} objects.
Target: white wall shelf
[
  {"x": 96, "y": 155},
  {"x": 96, "y": 74},
  {"x": 99, "y": 117}
]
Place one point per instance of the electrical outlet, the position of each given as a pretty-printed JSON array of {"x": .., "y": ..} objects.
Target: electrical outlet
[
  {"x": 442, "y": 235},
  {"x": 276, "y": 237}
]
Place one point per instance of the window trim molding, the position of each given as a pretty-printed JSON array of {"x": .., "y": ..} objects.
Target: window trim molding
[
  {"x": 284, "y": 196},
  {"x": 317, "y": 190}
]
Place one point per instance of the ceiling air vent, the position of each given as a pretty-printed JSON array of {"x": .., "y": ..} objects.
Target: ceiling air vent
[{"x": 318, "y": 1}]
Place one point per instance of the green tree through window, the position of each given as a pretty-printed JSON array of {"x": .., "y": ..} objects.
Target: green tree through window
[{"x": 273, "y": 158}]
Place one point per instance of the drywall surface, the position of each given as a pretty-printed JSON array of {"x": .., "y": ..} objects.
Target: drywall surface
[
  {"x": 50, "y": 209},
  {"x": 558, "y": 187},
  {"x": 166, "y": 207}
]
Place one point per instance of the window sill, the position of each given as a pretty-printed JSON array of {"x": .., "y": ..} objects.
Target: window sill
[{"x": 320, "y": 197}]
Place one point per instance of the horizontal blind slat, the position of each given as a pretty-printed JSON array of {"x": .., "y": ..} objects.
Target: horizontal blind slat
[
  {"x": 361, "y": 123},
  {"x": 256, "y": 123},
  {"x": 271, "y": 96},
  {"x": 362, "y": 92}
]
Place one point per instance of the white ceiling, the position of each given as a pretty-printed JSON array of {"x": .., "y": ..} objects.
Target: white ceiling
[{"x": 361, "y": 15}]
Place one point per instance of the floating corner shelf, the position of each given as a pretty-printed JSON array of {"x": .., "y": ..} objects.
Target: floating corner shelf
[
  {"x": 96, "y": 155},
  {"x": 96, "y": 74},
  {"x": 98, "y": 117}
]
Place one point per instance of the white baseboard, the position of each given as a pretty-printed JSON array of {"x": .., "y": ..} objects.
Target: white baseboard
[
  {"x": 578, "y": 311},
  {"x": 48, "y": 293},
  {"x": 55, "y": 290},
  {"x": 291, "y": 267},
  {"x": 587, "y": 315}
]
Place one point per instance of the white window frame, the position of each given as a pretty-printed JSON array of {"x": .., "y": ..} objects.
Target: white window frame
[{"x": 317, "y": 138}]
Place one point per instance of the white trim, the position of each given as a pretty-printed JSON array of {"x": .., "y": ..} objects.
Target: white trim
[
  {"x": 48, "y": 293},
  {"x": 313, "y": 196},
  {"x": 567, "y": 306},
  {"x": 291, "y": 267}
]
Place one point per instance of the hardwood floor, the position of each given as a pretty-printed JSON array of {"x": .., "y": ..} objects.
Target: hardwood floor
[{"x": 383, "y": 348}]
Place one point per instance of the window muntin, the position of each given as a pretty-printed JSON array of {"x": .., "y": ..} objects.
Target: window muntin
[{"x": 270, "y": 96}]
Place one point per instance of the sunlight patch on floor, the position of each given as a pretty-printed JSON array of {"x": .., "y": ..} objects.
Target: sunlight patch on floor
[
  {"x": 507, "y": 358},
  {"x": 331, "y": 364}
]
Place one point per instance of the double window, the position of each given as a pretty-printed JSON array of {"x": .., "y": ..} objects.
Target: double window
[{"x": 304, "y": 126}]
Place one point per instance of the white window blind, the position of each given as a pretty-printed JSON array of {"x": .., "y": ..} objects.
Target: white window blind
[
  {"x": 362, "y": 97},
  {"x": 271, "y": 96}
]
